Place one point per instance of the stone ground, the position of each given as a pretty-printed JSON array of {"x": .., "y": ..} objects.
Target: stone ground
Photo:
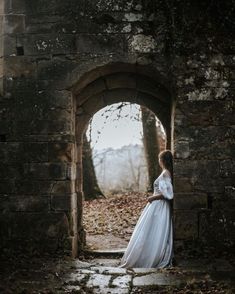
[
  {"x": 100, "y": 274},
  {"x": 110, "y": 242}
]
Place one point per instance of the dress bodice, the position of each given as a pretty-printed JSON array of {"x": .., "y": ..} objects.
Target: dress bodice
[{"x": 162, "y": 185}]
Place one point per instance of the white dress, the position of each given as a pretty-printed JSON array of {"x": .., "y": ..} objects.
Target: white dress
[{"x": 151, "y": 243}]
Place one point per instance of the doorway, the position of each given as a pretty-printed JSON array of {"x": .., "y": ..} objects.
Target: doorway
[{"x": 113, "y": 83}]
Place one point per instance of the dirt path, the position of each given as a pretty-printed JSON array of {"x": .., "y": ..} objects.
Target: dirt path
[
  {"x": 110, "y": 222},
  {"x": 107, "y": 241}
]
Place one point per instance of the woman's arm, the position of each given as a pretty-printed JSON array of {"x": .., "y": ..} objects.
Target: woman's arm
[
  {"x": 166, "y": 188},
  {"x": 155, "y": 197}
]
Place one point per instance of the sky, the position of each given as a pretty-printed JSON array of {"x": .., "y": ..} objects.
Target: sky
[{"x": 112, "y": 127}]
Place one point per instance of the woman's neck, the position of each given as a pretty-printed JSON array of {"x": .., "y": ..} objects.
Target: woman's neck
[{"x": 164, "y": 169}]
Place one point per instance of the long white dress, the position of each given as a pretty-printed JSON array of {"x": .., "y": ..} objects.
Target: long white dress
[{"x": 151, "y": 243}]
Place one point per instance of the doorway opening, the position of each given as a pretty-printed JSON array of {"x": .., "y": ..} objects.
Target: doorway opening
[
  {"x": 120, "y": 161},
  {"x": 105, "y": 86}
]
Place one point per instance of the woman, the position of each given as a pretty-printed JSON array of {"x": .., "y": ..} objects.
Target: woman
[{"x": 151, "y": 244}]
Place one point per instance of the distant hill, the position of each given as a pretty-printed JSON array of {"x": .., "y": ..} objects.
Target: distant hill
[{"x": 122, "y": 169}]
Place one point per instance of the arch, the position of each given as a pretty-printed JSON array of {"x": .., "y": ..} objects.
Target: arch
[
  {"x": 107, "y": 85},
  {"x": 80, "y": 77},
  {"x": 95, "y": 103}
]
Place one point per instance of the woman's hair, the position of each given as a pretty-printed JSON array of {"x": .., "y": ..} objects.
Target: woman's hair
[{"x": 166, "y": 158}]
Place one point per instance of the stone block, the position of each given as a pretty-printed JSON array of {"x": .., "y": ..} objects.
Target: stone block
[
  {"x": 1, "y": 7},
  {"x": 207, "y": 113},
  {"x": 227, "y": 168},
  {"x": 60, "y": 152},
  {"x": 185, "y": 224},
  {"x": 42, "y": 127},
  {"x": 20, "y": 152},
  {"x": 216, "y": 137},
  {"x": 118, "y": 6},
  {"x": 204, "y": 224},
  {"x": 18, "y": 66},
  {"x": 109, "y": 270},
  {"x": 32, "y": 186},
  {"x": 122, "y": 281},
  {"x": 190, "y": 200},
  {"x": 90, "y": 90},
  {"x": 22, "y": 203},
  {"x": 14, "y": 24},
  {"x": 182, "y": 150},
  {"x": 98, "y": 280},
  {"x": 230, "y": 192},
  {"x": 42, "y": 44},
  {"x": 6, "y": 130},
  {"x": 55, "y": 69},
  {"x": 55, "y": 171},
  {"x": 152, "y": 279},
  {"x": 7, "y": 186},
  {"x": 144, "y": 270},
  {"x": 121, "y": 80},
  {"x": 35, "y": 28},
  {"x": 10, "y": 152},
  {"x": 185, "y": 168},
  {"x": 38, "y": 226},
  {"x": 146, "y": 85},
  {"x": 4, "y": 203},
  {"x": 228, "y": 200},
  {"x": 182, "y": 184},
  {"x": 1, "y": 63},
  {"x": 203, "y": 174},
  {"x": 144, "y": 44},
  {"x": 43, "y": 7},
  {"x": 43, "y": 105},
  {"x": 116, "y": 95},
  {"x": 217, "y": 225},
  {"x": 94, "y": 104},
  {"x": 34, "y": 152},
  {"x": 15, "y": 85},
  {"x": 99, "y": 44},
  {"x": 11, "y": 171},
  {"x": 9, "y": 43},
  {"x": 61, "y": 188},
  {"x": 74, "y": 277},
  {"x": 6, "y": 107},
  {"x": 15, "y": 7},
  {"x": 1, "y": 85},
  {"x": 58, "y": 114},
  {"x": 61, "y": 202}
]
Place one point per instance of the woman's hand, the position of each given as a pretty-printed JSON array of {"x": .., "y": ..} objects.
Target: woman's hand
[
  {"x": 150, "y": 199},
  {"x": 155, "y": 197}
]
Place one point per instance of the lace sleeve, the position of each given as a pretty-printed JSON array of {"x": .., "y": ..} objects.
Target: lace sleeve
[{"x": 166, "y": 188}]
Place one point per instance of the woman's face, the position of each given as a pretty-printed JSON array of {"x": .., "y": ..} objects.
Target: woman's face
[{"x": 160, "y": 163}]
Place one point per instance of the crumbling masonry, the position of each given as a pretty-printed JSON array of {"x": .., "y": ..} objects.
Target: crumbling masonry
[{"x": 62, "y": 61}]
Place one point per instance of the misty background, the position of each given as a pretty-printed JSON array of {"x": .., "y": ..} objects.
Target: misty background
[{"x": 116, "y": 138}]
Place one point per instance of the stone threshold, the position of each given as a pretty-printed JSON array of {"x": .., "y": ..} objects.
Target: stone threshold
[{"x": 105, "y": 252}]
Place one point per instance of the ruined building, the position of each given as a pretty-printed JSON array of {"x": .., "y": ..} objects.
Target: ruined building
[{"x": 62, "y": 61}]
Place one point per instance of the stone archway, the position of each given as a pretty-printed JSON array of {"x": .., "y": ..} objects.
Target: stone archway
[{"x": 105, "y": 86}]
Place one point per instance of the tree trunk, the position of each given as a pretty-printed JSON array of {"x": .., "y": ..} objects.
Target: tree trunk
[
  {"x": 151, "y": 145},
  {"x": 90, "y": 185}
]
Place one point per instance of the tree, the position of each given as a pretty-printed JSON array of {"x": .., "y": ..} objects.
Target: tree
[
  {"x": 151, "y": 145},
  {"x": 90, "y": 185}
]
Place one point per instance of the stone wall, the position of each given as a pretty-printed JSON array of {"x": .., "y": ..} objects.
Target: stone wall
[
  {"x": 52, "y": 51},
  {"x": 1, "y": 45},
  {"x": 204, "y": 148}
]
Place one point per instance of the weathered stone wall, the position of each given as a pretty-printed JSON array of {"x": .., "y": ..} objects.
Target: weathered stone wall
[
  {"x": 204, "y": 149},
  {"x": 1, "y": 45},
  {"x": 49, "y": 49}
]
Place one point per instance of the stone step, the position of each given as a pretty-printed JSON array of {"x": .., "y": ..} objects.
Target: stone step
[{"x": 105, "y": 252}]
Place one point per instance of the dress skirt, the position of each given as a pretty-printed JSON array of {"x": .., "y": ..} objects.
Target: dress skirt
[{"x": 151, "y": 243}]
